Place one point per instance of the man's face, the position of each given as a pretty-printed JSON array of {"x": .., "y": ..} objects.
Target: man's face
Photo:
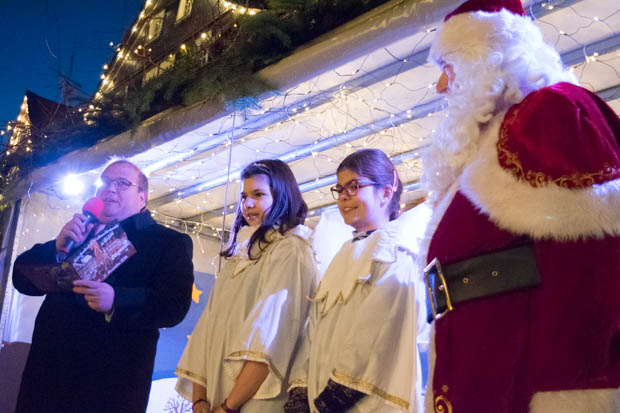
[
  {"x": 119, "y": 192},
  {"x": 446, "y": 79}
]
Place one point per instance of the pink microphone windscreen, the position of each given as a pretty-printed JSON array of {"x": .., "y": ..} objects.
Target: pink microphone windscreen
[{"x": 93, "y": 206}]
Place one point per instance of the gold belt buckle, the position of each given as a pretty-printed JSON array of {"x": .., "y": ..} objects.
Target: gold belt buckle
[{"x": 443, "y": 287}]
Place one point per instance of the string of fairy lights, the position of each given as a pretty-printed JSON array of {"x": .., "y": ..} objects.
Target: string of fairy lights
[
  {"x": 298, "y": 116},
  {"x": 312, "y": 126}
]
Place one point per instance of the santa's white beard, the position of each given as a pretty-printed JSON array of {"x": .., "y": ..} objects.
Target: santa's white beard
[{"x": 470, "y": 105}]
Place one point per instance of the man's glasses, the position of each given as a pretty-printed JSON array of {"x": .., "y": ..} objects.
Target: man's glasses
[
  {"x": 120, "y": 184},
  {"x": 351, "y": 187}
]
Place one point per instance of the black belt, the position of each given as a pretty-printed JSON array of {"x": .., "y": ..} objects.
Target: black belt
[{"x": 482, "y": 276}]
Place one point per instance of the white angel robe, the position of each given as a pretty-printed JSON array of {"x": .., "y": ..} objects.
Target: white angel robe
[
  {"x": 256, "y": 311},
  {"x": 362, "y": 327}
]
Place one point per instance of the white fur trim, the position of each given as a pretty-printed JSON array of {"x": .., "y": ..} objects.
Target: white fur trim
[
  {"x": 472, "y": 34},
  {"x": 577, "y": 401},
  {"x": 540, "y": 212}
]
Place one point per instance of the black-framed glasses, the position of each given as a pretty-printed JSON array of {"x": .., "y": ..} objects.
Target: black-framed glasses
[
  {"x": 352, "y": 187},
  {"x": 120, "y": 184}
]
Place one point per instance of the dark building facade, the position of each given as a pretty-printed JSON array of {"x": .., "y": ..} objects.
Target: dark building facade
[{"x": 164, "y": 30}]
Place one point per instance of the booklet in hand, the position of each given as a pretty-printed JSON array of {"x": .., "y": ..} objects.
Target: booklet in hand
[{"x": 94, "y": 260}]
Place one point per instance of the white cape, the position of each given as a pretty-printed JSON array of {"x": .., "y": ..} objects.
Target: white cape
[
  {"x": 256, "y": 311},
  {"x": 362, "y": 327}
]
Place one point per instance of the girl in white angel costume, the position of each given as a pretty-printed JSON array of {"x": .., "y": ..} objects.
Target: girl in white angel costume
[
  {"x": 359, "y": 354},
  {"x": 240, "y": 352}
]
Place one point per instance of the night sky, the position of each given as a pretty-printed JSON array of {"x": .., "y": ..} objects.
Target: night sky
[{"x": 39, "y": 37}]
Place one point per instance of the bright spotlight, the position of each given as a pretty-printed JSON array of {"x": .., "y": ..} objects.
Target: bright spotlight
[
  {"x": 72, "y": 185},
  {"x": 98, "y": 183}
]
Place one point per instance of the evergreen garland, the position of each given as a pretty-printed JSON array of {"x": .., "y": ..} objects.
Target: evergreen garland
[{"x": 254, "y": 43}]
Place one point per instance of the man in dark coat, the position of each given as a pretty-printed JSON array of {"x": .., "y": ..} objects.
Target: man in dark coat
[{"x": 93, "y": 349}]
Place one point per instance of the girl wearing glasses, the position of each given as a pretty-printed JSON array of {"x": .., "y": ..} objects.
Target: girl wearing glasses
[
  {"x": 359, "y": 353},
  {"x": 241, "y": 349}
]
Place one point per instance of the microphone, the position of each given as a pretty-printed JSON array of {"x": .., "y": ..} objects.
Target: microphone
[{"x": 92, "y": 210}]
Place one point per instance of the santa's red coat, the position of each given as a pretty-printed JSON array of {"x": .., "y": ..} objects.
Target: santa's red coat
[{"x": 557, "y": 154}]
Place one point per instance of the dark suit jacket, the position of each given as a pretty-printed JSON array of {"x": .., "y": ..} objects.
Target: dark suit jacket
[{"x": 78, "y": 362}]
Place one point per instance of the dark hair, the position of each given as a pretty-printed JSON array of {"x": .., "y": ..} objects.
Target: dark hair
[
  {"x": 376, "y": 166},
  {"x": 288, "y": 210}
]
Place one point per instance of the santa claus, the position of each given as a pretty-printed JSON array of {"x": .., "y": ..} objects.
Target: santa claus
[{"x": 523, "y": 250}]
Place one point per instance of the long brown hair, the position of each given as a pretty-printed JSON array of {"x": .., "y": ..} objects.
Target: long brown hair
[{"x": 288, "y": 210}]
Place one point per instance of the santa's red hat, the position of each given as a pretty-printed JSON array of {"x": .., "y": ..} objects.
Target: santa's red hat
[
  {"x": 513, "y": 6},
  {"x": 477, "y": 26}
]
